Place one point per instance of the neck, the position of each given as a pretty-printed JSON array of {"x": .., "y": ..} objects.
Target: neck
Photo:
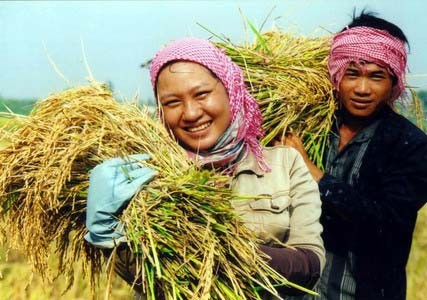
[
  {"x": 350, "y": 126},
  {"x": 355, "y": 123}
]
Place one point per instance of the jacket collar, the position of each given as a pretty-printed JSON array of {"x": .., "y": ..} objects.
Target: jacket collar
[{"x": 249, "y": 164}]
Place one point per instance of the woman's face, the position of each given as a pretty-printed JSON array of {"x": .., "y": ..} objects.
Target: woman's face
[{"x": 195, "y": 104}]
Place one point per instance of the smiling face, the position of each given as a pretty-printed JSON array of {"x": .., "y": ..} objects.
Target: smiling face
[
  {"x": 195, "y": 104},
  {"x": 363, "y": 91}
]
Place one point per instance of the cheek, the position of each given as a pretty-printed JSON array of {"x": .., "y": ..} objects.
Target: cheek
[
  {"x": 344, "y": 86},
  {"x": 170, "y": 118}
]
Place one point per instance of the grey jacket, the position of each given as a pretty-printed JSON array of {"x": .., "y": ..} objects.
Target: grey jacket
[{"x": 290, "y": 206}]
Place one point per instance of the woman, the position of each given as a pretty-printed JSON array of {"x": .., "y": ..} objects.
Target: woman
[{"x": 204, "y": 103}]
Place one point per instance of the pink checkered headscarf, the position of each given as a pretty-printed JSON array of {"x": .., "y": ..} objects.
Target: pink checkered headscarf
[
  {"x": 366, "y": 44},
  {"x": 246, "y": 120}
]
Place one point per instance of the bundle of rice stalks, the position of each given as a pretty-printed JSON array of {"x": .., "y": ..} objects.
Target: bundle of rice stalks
[
  {"x": 288, "y": 77},
  {"x": 189, "y": 243}
]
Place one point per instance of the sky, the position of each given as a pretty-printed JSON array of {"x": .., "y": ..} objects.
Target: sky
[{"x": 38, "y": 38}]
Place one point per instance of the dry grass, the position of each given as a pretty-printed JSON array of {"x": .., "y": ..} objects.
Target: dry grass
[
  {"x": 18, "y": 282},
  {"x": 417, "y": 264},
  {"x": 190, "y": 243},
  {"x": 288, "y": 77}
]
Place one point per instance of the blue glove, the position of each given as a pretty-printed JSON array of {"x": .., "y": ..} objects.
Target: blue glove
[{"x": 111, "y": 186}]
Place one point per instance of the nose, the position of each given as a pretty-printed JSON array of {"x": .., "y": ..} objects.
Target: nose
[
  {"x": 363, "y": 86},
  {"x": 192, "y": 111}
]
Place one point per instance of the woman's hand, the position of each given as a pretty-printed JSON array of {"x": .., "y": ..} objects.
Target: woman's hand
[
  {"x": 111, "y": 186},
  {"x": 290, "y": 139}
]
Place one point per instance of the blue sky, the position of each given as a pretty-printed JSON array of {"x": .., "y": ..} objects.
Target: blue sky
[{"x": 119, "y": 35}]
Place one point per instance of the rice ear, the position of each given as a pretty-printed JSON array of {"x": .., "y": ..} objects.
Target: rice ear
[{"x": 291, "y": 85}]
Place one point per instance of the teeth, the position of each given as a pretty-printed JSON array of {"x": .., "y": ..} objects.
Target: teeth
[{"x": 201, "y": 127}]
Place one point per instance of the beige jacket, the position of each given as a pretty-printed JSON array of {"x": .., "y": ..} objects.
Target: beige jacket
[{"x": 289, "y": 208}]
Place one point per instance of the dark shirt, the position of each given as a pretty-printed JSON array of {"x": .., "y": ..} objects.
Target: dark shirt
[
  {"x": 374, "y": 216},
  {"x": 337, "y": 281}
]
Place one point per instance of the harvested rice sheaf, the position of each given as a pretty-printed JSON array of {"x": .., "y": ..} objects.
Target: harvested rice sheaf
[
  {"x": 190, "y": 244},
  {"x": 288, "y": 77}
]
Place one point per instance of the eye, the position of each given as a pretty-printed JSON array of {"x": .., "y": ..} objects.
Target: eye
[
  {"x": 351, "y": 74},
  {"x": 171, "y": 102},
  {"x": 202, "y": 94},
  {"x": 378, "y": 76}
]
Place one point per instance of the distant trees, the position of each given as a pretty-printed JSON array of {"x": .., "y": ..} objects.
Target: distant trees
[
  {"x": 24, "y": 106},
  {"x": 423, "y": 96},
  {"x": 18, "y": 106}
]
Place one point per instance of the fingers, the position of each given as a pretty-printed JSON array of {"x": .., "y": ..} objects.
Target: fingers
[
  {"x": 127, "y": 161},
  {"x": 139, "y": 157},
  {"x": 142, "y": 179},
  {"x": 141, "y": 172},
  {"x": 287, "y": 140}
]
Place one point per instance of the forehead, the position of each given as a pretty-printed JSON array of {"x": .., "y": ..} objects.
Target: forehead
[
  {"x": 184, "y": 68},
  {"x": 366, "y": 66}
]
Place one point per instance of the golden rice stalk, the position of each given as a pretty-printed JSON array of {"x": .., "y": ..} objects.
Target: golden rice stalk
[
  {"x": 189, "y": 243},
  {"x": 288, "y": 77},
  {"x": 411, "y": 107}
]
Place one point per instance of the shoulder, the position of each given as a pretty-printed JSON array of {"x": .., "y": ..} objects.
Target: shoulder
[
  {"x": 397, "y": 125},
  {"x": 397, "y": 132},
  {"x": 284, "y": 156},
  {"x": 280, "y": 152}
]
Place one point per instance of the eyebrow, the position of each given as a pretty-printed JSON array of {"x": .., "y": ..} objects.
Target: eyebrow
[
  {"x": 375, "y": 72},
  {"x": 197, "y": 87}
]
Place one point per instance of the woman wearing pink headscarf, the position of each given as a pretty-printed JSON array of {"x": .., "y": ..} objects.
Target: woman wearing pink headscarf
[{"x": 205, "y": 104}]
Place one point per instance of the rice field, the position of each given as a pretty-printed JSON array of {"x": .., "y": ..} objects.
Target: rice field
[
  {"x": 18, "y": 283},
  {"x": 417, "y": 265}
]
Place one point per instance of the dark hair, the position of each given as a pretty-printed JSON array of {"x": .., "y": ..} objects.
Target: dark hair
[{"x": 369, "y": 19}]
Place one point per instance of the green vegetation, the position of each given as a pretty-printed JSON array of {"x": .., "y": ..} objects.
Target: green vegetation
[{"x": 18, "y": 106}]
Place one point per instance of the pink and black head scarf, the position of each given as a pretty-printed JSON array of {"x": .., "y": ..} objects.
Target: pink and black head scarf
[
  {"x": 246, "y": 121},
  {"x": 366, "y": 44}
]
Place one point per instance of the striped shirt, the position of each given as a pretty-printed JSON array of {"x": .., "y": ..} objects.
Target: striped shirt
[{"x": 337, "y": 281}]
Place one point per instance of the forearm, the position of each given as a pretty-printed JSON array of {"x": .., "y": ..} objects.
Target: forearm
[
  {"x": 299, "y": 265},
  {"x": 385, "y": 203},
  {"x": 314, "y": 170}
]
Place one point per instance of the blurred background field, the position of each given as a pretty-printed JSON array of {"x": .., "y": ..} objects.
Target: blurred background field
[{"x": 17, "y": 281}]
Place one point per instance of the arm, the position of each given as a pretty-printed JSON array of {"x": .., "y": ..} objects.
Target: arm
[
  {"x": 394, "y": 190},
  {"x": 401, "y": 186}
]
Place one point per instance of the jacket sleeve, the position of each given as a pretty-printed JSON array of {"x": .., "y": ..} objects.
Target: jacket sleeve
[
  {"x": 394, "y": 189},
  {"x": 305, "y": 228},
  {"x": 298, "y": 265}
]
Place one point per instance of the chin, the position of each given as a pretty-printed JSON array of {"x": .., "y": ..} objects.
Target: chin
[{"x": 197, "y": 147}]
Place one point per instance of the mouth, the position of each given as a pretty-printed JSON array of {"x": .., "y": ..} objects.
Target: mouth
[
  {"x": 199, "y": 127},
  {"x": 360, "y": 103}
]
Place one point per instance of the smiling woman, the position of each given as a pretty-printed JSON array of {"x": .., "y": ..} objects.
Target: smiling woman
[{"x": 204, "y": 102}]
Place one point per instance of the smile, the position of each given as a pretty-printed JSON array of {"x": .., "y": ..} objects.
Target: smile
[
  {"x": 361, "y": 101},
  {"x": 357, "y": 103},
  {"x": 200, "y": 127}
]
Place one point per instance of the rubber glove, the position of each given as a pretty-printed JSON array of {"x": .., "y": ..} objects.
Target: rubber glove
[{"x": 111, "y": 186}]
